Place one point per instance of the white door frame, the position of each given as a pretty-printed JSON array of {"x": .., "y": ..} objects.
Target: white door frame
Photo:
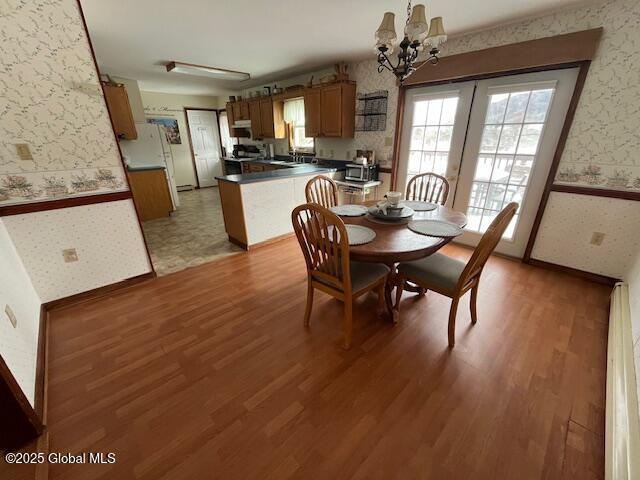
[{"x": 193, "y": 155}]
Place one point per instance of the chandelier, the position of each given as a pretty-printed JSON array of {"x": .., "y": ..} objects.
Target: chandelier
[{"x": 416, "y": 37}]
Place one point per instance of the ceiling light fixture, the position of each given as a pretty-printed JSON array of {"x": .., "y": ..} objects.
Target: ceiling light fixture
[
  {"x": 414, "y": 41},
  {"x": 203, "y": 71}
]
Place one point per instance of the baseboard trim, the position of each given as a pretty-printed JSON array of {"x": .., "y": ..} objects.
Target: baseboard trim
[
  {"x": 270, "y": 241},
  {"x": 593, "y": 277},
  {"x": 97, "y": 292},
  {"x": 39, "y": 401}
]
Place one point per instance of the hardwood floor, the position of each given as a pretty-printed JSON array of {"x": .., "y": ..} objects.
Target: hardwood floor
[{"x": 209, "y": 373}]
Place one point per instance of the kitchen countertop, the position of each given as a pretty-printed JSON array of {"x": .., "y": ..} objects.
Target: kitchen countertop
[
  {"x": 293, "y": 171},
  {"x": 143, "y": 168}
]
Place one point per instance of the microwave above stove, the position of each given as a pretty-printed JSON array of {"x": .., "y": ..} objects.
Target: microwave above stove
[{"x": 361, "y": 173}]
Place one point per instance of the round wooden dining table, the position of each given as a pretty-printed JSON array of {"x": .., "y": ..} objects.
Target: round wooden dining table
[{"x": 395, "y": 243}]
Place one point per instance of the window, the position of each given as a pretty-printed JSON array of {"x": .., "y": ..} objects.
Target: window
[
  {"x": 294, "y": 117},
  {"x": 512, "y": 129},
  {"x": 431, "y": 132}
]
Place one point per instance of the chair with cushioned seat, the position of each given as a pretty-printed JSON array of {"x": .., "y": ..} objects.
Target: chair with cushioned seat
[
  {"x": 451, "y": 277},
  {"x": 323, "y": 238}
]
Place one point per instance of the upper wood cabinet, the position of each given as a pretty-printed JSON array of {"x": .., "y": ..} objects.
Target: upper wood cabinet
[
  {"x": 266, "y": 118},
  {"x": 120, "y": 110},
  {"x": 240, "y": 110},
  {"x": 234, "y": 132},
  {"x": 330, "y": 110},
  {"x": 312, "y": 112},
  {"x": 256, "y": 119}
]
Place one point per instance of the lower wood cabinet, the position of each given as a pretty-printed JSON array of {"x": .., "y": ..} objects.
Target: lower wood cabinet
[{"x": 151, "y": 193}]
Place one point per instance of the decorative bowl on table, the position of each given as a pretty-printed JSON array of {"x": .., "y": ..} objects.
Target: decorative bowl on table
[{"x": 391, "y": 213}]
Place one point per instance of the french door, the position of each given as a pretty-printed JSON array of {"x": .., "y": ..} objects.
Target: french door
[
  {"x": 502, "y": 146},
  {"x": 435, "y": 128}
]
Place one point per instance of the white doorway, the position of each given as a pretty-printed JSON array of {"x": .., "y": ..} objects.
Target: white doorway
[
  {"x": 503, "y": 139},
  {"x": 205, "y": 142}
]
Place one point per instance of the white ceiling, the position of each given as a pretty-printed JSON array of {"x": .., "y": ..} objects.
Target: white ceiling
[{"x": 269, "y": 39}]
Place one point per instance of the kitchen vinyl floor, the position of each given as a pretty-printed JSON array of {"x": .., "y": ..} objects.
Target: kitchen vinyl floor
[
  {"x": 193, "y": 235},
  {"x": 209, "y": 373}
]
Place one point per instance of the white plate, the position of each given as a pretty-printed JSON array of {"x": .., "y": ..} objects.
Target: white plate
[
  {"x": 419, "y": 206},
  {"x": 349, "y": 210},
  {"x": 435, "y": 228},
  {"x": 358, "y": 235}
]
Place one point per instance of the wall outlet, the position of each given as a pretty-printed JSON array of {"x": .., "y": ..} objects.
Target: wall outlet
[
  {"x": 388, "y": 142},
  {"x": 70, "y": 255},
  {"x": 11, "y": 316},
  {"x": 23, "y": 151},
  {"x": 597, "y": 238},
  {"x": 331, "y": 153},
  {"x": 322, "y": 152},
  {"x": 348, "y": 154}
]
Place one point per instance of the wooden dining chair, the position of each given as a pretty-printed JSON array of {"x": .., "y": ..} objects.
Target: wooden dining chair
[
  {"x": 322, "y": 190},
  {"x": 323, "y": 238},
  {"x": 451, "y": 277},
  {"x": 428, "y": 187}
]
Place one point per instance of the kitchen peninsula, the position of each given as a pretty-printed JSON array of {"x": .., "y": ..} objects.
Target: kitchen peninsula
[{"x": 257, "y": 206}]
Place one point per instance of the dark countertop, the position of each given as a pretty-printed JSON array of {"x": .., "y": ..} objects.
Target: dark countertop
[
  {"x": 143, "y": 168},
  {"x": 294, "y": 171}
]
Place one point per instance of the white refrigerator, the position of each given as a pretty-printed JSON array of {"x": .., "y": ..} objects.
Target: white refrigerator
[{"x": 151, "y": 149}]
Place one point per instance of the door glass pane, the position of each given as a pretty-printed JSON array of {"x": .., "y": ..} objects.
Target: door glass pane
[
  {"x": 512, "y": 131},
  {"x": 431, "y": 135}
]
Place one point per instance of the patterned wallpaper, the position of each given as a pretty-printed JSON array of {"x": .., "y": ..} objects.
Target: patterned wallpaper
[
  {"x": 603, "y": 148},
  {"x": 51, "y": 100},
  {"x": 106, "y": 237},
  {"x": 566, "y": 228}
]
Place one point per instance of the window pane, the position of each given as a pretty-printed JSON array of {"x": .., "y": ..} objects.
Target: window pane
[
  {"x": 502, "y": 169},
  {"x": 484, "y": 167},
  {"x": 433, "y": 116},
  {"x": 521, "y": 170},
  {"x": 430, "y": 138},
  {"x": 495, "y": 197},
  {"x": 538, "y": 105},
  {"x": 417, "y": 138},
  {"x": 427, "y": 162},
  {"x": 478, "y": 194},
  {"x": 509, "y": 138},
  {"x": 514, "y": 194},
  {"x": 414, "y": 162},
  {"x": 440, "y": 163},
  {"x": 529, "y": 139},
  {"x": 487, "y": 218},
  {"x": 517, "y": 107},
  {"x": 474, "y": 217},
  {"x": 508, "y": 233},
  {"x": 497, "y": 107},
  {"x": 420, "y": 112},
  {"x": 490, "y": 137},
  {"x": 444, "y": 139},
  {"x": 449, "y": 108}
]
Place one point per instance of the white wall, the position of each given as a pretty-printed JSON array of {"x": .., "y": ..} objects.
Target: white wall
[
  {"x": 167, "y": 105},
  {"x": 18, "y": 346}
]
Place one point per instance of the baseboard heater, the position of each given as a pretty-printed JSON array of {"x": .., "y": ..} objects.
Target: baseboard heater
[{"x": 622, "y": 442}]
